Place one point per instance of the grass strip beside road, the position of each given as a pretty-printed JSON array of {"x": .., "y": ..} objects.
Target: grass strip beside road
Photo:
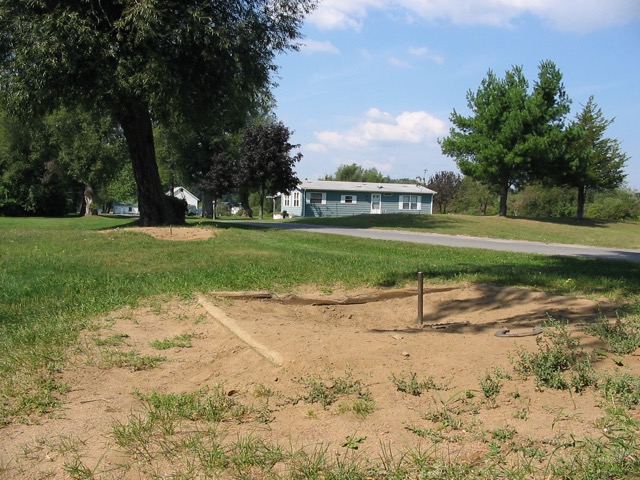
[{"x": 595, "y": 233}]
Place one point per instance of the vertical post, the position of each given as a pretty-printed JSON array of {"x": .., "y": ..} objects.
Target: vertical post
[{"x": 420, "y": 297}]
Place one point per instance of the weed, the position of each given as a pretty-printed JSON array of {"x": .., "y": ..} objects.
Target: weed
[
  {"x": 130, "y": 359},
  {"x": 622, "y": 336},
  {"x": 623, "y": 388},
  {"x": 116, "y": 340},
  {"x": 327, "y": 392},
  {"x": 434, "y": 435},
  {"x": 445, "y": 415},
  {"x": 353, "y": 442},
  {"x": 557, "y": 354},
  {"x": 208, "y": 405},
  {"x": 262, "y": 391},
  {"x": 409, "y": 383},
  {"x": 490, "y": 385},
  {"x": 502, "y": 434},
  {"x": 179, "y": 341},
  {"x": 363, "y": 405}
]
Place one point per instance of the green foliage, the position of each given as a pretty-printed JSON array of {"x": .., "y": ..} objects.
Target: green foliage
[
  {"x": 559, "y": 362},
  {"x": 138, "y": 63},
  {"x": 266, "y": 164},
  {"x": 447, "y": 185},
  {"x": 622, "y": 388},
  {"x": 592, "y": 162},
  {"x": 130, "y": 359},
  {"x": 327, "y": 392},
  {"x": 409, "y": 383},
  {"x": 614, "y": 205},
  {"x": 491, "y": 384},
  {"x": 179, "y": 341},
  {"x": 511, "y": 132},
  {"x": 537, "y": 201},
  {"x": 474, "y": 198},
  {"x": 356, "y": 173},
  {"x": 622, "y": 336}
]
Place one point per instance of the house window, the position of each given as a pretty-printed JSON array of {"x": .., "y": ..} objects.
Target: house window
[
  {"x": 317, "y": 198},
  {"x": 286, "y": 200},
  {"x": 409, "y": 202},
  {"x": 296, "y": 199},
  {"x": 349, "y": 199}
]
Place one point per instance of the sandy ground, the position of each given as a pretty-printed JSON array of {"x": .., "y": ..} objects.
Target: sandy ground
[{"x": 372, "y": 342}]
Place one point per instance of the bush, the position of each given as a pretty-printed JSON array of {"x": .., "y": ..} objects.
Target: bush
[
  {"x": 540, "y": 202},
  {"x": 616, "y": 205}
]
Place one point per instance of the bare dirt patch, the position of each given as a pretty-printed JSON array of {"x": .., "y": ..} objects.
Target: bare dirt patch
[
  {"x": 171, "y": 233},
  {"x": 377, "y": 343}
]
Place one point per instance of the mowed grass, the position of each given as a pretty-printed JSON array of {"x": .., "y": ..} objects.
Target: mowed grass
[
  {"x": 56, "y": 275},
  {"x": 597, "y": 233}
]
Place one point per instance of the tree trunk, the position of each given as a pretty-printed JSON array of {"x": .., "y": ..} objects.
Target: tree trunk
[
  {"x": 207, "y": 205},
  {"x": 154, "y": 208},
  {"x": 261, "y": 196},
  {"x": 504, "y": 191},
  {"x": 582, "y": 194},
  {"x": 244, "y": 202},
  {"x": 88, "y": 199}
]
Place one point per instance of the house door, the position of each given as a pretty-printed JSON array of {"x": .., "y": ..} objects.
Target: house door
[{"x": 375, "y": 203}]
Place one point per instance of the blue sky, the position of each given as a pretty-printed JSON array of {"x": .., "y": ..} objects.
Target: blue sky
[{"x": 376, "y": 80}]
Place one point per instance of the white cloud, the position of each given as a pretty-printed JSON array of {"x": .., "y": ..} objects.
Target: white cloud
[
  {"x": 424, "y": 52},
  {"x": 396, "y": 62},
  {"x": 316, "y": 46},
  {"x": 377, "y": 128},
  {"x": 567, "y": 15}
]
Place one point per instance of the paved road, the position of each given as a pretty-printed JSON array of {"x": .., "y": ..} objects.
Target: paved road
[{"x": 463, "y": 241}]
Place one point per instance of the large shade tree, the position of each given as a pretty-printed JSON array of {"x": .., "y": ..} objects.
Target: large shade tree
[
  {"x": 593, "y": 161},
  {"x": 512, "y": 134},
  {"x": 142, "y": 61}
]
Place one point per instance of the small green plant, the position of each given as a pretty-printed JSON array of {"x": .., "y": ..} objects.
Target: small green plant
[
  {"x": 434, "y": 435},
  {"x": 623, "y": 388},
  {"x": 179, "y": 341},
  {"x": 116, "y": 340},
  {"x": 327, "y": 392},
  {"x": 502, "y": 434},
  {"x": 557, "y": 354},
  {"x": 262, "y": 391},
  {"x": 445, "y": 415},
  {"x": 490, "y": 385},
  {"x": 409, "y": 383},
  {"x": 621, "y": 336},
  {"x": 353, "y": 442},
  {"x": 363, "y": 405},
  {"x": 130, "y": 359}
]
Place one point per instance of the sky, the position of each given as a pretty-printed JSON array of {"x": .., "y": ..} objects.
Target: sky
[{"x": 375, "y": 81}]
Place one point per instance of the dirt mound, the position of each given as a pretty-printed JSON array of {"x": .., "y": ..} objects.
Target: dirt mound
[{"x": 379, "y": 345}]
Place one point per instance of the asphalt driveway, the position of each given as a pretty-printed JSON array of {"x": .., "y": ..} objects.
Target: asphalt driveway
[{"x": 462, "y": 241}]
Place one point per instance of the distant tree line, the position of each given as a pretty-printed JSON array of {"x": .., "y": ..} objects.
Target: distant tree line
[{"x": 75, "y": 160}]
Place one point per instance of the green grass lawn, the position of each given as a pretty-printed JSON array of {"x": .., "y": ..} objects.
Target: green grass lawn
[
  {"x": 597, "y": 233},
  {"x": 56, "y": 275}
]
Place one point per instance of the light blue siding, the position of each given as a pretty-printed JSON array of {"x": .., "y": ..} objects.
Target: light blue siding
[{"x": 333, "y": 206}]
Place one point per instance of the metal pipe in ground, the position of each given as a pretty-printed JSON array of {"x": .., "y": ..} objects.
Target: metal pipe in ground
[{"x": 420, "y": 296}]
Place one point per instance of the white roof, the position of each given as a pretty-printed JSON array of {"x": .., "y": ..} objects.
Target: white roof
[
  {"x": 364, "y": 187},
  {"x": 181, "y": 192}
]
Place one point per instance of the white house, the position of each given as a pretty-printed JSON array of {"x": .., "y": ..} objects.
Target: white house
[{"x": 192, "y": 201}]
